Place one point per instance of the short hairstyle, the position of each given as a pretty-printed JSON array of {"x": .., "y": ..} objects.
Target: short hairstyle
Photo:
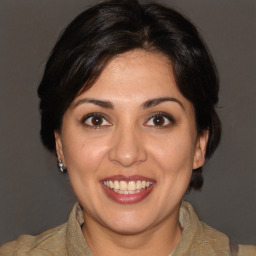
[{"x": 114, "y": 27}]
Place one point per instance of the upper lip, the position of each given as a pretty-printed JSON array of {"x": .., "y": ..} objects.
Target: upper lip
[{"x": 127, "y": 178}]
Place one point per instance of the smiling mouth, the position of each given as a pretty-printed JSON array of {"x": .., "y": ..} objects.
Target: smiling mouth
[
  {"x": 130, "y": 187},
  {"x": 127, "y": 190}
]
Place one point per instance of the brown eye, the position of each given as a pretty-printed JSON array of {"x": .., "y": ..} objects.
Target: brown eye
[
  {"x": 160, "y": 120},
  {"x": 95, "y": 120}
]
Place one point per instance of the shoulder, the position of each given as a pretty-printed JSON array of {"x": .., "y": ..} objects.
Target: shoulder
[
  {"x": 246, "y": 250},
  {"x": 216, "y": 239},
  {"x": 50, "y": 242},
  {"x": 197, "y": 237},
  {"x": 220, "y": 242},
  {"x": 201, "y": 239}
]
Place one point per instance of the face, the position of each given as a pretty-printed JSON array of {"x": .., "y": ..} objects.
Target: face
[{"x": 130, "y": 144}]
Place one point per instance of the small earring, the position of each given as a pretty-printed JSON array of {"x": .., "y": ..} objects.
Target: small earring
[{"x": 61, "y": 166}]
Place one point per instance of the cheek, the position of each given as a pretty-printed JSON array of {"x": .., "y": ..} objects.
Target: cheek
[
  {"x": 174, "y": 154},
  {"x": 83, "y": 154},
  {"x": 84, "y": 157}
]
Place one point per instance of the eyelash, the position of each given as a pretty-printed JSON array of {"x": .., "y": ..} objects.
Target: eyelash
[
  {"x": 91, "y": 115},
  {"x": 169, "y": 118},
  {"x": 166, "y": 116}
]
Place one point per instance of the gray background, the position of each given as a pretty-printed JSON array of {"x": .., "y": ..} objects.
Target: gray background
[{"x": 35, "y": 197}]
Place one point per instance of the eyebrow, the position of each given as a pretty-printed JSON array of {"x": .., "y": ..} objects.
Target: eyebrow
[
  {"x": 154, "y": 102},
  {"x": 109, "y": 105},
  {"x": 101, "y": 103}
]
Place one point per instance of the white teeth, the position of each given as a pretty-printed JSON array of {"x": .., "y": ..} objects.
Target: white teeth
[
  {"x": 131, "y": 186},
  {"x": 138, "y": 184},
  {"x": 111, "y": 184},
  {"x": 124, "y": 187},
  {"x": 116, "y": 184}
]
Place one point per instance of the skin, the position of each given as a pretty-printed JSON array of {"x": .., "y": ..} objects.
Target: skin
[{"x": 129, "y": 142}]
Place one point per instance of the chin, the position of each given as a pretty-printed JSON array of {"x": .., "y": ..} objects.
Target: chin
[
  {"x": 128, "y": 228},
  {"x": 128, "y": 224}
]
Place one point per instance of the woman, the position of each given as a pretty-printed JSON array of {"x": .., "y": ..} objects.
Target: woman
[{"x": 128, "y": 104}]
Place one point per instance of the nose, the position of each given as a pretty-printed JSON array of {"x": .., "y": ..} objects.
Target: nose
[{"x": 127, "y": 148}]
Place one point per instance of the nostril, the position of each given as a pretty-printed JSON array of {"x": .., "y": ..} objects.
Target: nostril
[{"x": 127, "y": 155}]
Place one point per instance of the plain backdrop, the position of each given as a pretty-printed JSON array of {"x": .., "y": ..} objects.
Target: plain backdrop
[{"x": 35, "y": 197}]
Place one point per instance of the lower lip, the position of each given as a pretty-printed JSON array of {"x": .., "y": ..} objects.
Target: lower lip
[{"x": 129, "y": 198}]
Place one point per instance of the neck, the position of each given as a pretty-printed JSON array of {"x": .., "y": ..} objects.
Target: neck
[{"x": 159, "y": 240}]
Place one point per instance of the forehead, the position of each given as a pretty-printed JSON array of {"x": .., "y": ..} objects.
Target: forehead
[{"x": 136, "y": 76}]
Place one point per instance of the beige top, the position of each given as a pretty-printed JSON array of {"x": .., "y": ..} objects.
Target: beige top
[{"x": 198, "y": 239}]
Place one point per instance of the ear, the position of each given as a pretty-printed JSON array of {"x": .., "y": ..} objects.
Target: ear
[
  {"x": 201, "y": 144},
  {"x": 59, "y": 147}
]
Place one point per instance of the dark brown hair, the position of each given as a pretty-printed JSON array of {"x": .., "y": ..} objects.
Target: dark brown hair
[{"x": 117, "y": 26}]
